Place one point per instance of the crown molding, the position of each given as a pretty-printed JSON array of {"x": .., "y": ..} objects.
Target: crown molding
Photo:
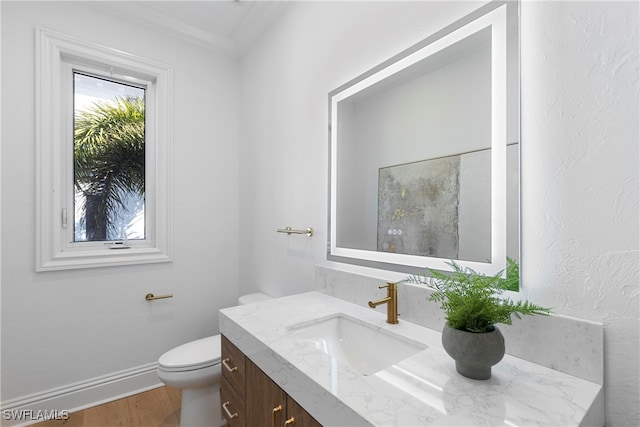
[
  {"x": 146, "y": 14},
  {"x": 258, "y": 17}
]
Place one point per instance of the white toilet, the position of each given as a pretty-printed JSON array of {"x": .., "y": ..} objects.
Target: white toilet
[{"x": 194, "y": 367}]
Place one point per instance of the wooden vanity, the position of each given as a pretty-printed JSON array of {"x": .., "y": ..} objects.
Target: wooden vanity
[
  {"x": 270, "y": 373},
  {"x": 250, "y": 398}
]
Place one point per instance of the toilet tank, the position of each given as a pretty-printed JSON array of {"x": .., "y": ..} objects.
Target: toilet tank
[{"x": 252, "y": 298}]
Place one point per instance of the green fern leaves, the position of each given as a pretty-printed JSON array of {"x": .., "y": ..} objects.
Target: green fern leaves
[{"x": 473, "y": 302}]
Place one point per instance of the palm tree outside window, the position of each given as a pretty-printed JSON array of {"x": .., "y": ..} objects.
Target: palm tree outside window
[{"x": 108, "y": 159}]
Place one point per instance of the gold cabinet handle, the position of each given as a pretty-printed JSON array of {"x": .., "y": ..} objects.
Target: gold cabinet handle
[
  {"x": 275, "y": 411},
  {"x": 289, "y": 422},
  {"x": 225, "y": 406},
  {"x": 225, "y": 362}
]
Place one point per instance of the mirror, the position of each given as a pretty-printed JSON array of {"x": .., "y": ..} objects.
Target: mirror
[{"x": 424, "y": 152}]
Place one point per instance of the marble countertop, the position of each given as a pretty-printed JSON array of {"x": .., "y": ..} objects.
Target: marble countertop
[{"x": 422, "y": 390}]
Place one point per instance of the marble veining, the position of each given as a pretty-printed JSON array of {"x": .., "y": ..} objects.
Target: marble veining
[
  {"x": 423, "y": 389},
  {"x": 570, "y": 345}
]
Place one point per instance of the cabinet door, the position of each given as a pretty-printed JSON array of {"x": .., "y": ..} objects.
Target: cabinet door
[
  {"x": 298, "y": 417},
  {"x": 233, "y": 406},
  {"x": 233, "y": 365},
  {"x": 266, "y": 402}
]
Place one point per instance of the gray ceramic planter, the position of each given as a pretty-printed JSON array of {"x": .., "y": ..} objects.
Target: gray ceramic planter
[{"x": 474, "y": 353}]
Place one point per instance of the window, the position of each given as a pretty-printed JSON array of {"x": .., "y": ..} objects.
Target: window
[
  {"x": 108, "y": 159},
  {"x": 103, "y": 137}
]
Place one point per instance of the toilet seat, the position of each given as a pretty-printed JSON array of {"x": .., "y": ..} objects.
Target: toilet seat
[{"x": 193, "y": 355}]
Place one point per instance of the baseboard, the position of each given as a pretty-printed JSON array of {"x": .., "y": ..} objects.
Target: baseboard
[{"x": 61, "y": 401}]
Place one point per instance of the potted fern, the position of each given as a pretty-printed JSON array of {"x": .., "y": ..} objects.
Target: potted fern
[{"x": 473, "y": 305}]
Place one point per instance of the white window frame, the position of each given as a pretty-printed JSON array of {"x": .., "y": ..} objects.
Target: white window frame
[
  {"x": 68, "y": 70},
  {"x": 57, "y": 55}
]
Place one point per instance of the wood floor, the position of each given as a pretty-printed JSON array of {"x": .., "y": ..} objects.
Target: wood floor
[{"x": 159, "y": 407}]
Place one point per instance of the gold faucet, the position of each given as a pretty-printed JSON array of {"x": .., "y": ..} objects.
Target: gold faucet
[{"x": 391, "y": 300}]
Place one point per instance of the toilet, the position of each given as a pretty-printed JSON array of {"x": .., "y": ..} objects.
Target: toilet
[{"x": 194, "y": 367}]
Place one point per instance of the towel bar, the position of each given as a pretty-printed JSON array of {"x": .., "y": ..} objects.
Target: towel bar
[
  {"x": 151, "y": 297},
  {"x": 289, "y": 230}
]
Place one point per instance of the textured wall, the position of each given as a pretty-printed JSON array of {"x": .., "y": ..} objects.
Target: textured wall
[{"x": 580, "y": 163}]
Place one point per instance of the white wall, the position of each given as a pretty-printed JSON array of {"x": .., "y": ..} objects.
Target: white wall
[
  {"x": 62, "y": 327},
  {"x": 314, "y": 48},
  {"x": 579, "y": 154}
]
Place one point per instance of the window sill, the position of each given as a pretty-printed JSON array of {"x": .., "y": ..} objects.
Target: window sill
[{"x": 102, "y": 258}]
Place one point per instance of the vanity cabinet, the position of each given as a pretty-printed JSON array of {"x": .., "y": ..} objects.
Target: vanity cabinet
[
  {"x": 250, "y": 398},
  {"x": 301, "y": 417},
  {"x": 232, "y": 387}
]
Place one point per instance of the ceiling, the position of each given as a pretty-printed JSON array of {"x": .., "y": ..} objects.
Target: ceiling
[{"x": 226, "y": 26}]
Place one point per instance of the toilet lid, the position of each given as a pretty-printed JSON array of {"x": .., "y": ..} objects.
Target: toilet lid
[
  {"x": 251, "y": 298},
  {"x": 192, "y": 355}
]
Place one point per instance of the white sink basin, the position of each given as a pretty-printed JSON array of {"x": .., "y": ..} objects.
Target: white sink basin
[{"x": 365, "y": 347}]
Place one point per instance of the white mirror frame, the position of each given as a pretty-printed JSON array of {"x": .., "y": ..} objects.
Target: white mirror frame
[{"x": 493, "y": 16}]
